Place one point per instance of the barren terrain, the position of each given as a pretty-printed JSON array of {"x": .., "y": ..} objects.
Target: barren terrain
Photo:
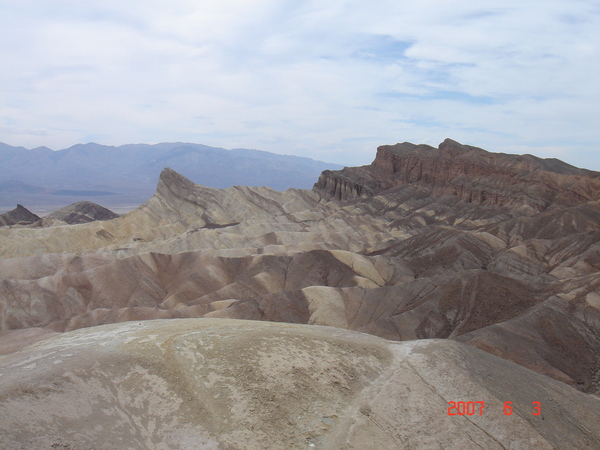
[{"x": 490, "y": 252}]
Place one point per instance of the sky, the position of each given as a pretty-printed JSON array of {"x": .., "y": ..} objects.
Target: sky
[{"x": 330, "y": 80}]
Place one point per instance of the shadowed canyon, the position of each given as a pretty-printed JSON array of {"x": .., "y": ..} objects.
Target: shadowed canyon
[{"x": 486, "y": 264}]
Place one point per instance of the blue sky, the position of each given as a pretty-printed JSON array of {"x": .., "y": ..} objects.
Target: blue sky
[{"x": 330, "y": 80}]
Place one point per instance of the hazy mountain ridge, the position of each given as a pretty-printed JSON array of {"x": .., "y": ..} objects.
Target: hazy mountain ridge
[{"x": 131, "y": 171}]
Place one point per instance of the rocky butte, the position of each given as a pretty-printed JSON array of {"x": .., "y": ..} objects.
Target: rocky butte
[{"x": 376, "y": 300}]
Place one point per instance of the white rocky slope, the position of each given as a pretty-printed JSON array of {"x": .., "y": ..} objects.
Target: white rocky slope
[{"x": 218, "y": 383}]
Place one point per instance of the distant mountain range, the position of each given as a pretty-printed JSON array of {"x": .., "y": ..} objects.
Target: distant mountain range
[{"x": 128, "y": 174}]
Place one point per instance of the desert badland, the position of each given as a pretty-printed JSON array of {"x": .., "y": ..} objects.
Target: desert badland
[{"x": 363, "y": 306}]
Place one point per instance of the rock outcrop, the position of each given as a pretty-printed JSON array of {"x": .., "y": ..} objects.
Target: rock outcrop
[
  {"x": 202, "y": 383},
  {"x": 18, "y": 216}
]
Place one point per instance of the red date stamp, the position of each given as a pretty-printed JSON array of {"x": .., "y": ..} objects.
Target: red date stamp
[{"x": 476, "y": 408}]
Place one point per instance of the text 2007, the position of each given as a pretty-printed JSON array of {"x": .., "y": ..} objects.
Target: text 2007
[{"x": 476, "y": 408}]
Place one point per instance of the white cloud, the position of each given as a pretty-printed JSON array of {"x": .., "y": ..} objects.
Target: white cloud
[{"x": 329, "y": 80}]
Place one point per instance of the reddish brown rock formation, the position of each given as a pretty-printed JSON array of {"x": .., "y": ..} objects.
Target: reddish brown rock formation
[{"x": 469, "y": 173}]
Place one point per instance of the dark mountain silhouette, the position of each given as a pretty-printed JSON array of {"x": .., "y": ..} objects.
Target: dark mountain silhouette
[
  {"x": 80, "y": 212},
  {"x": 18, "y": 216}
]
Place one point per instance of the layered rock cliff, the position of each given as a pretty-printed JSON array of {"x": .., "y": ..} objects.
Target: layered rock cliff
[{"x": 469, "y": 173}]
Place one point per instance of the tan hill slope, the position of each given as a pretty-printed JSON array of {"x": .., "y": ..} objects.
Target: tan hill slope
[
  {"x": 406, "y": 248},
  {"x": 202, "y": 383},
  {"x": 178, "y": 207}
]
